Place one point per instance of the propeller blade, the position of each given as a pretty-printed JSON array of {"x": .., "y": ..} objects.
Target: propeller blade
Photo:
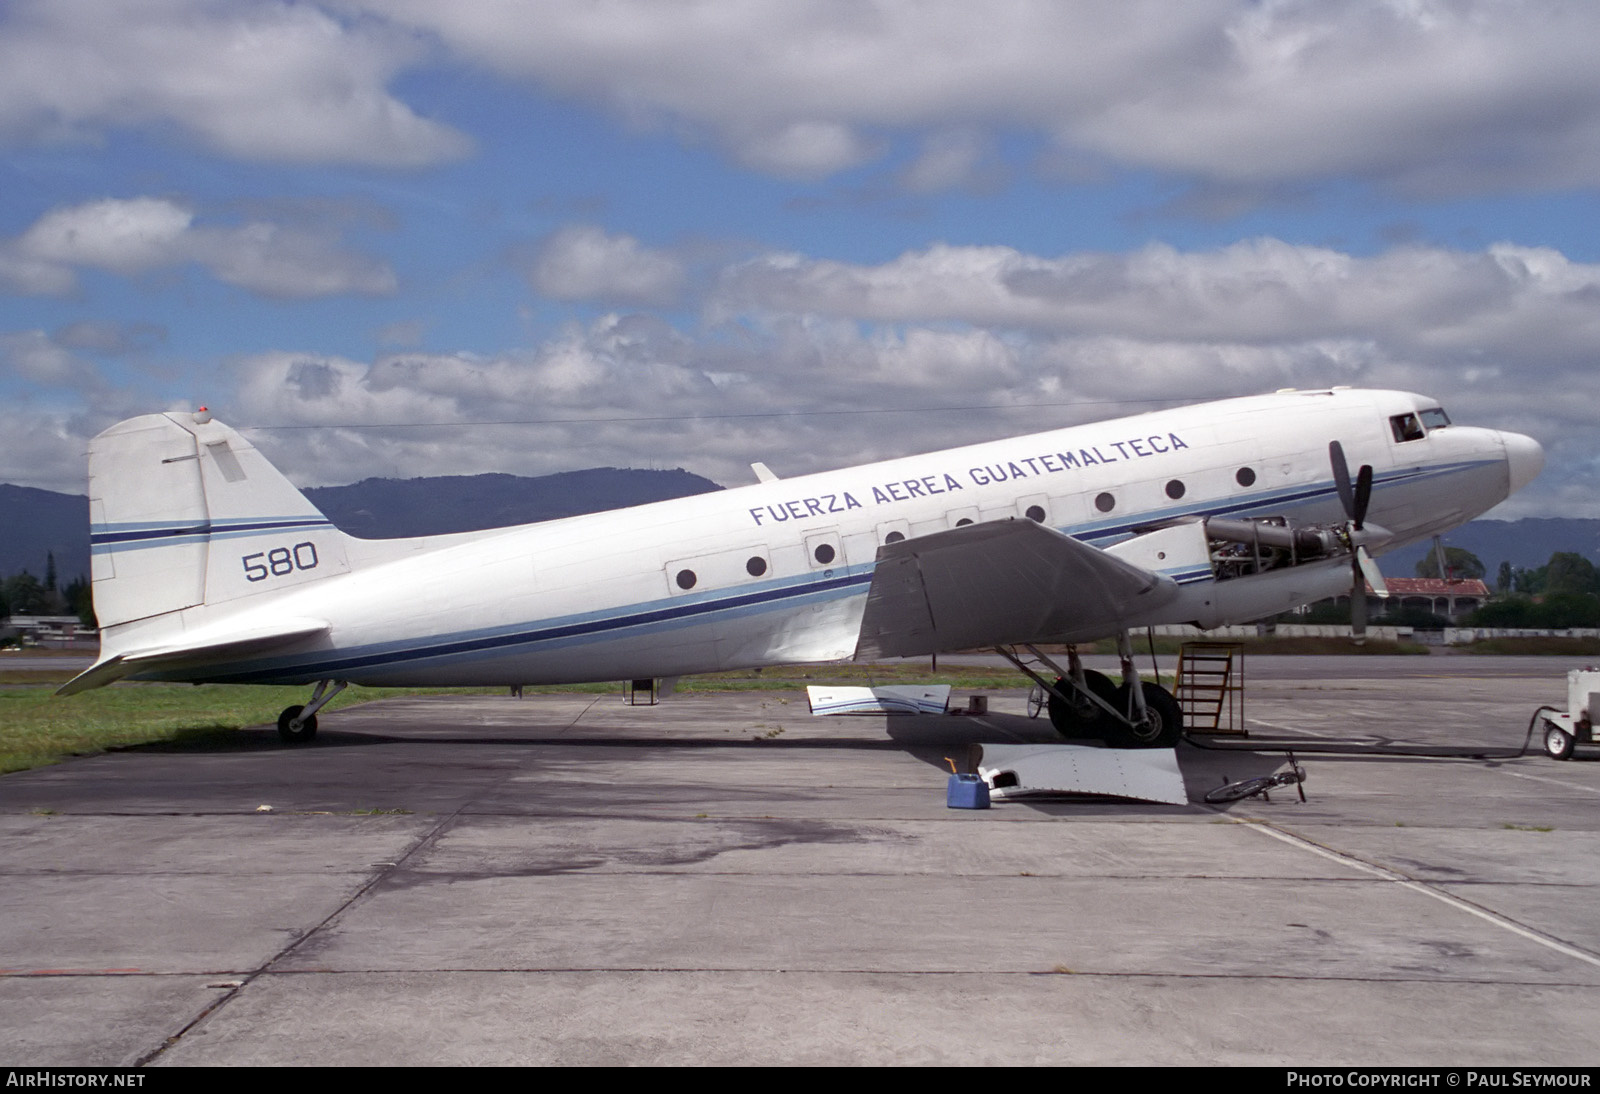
[
  {"x": 1341, "y": 478},
  {"x": 1370, "y": 571},
  {"x": 1358, "y": 603},
  {"x": 1363, "y": 495}
]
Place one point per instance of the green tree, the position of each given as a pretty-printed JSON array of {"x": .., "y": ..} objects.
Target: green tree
[
  {"x": 79, "y": 595},
  {"x": 24, "y": 595},
  {"x": 1528, "y": 582},
  {"x": 1511, "y": 611},
  {"x": 1570, "y": 574},
  {"x": 1561, "y": 610},
  {"x": 1461, "y": 562},
  {"x": 1502, "y": 581}
]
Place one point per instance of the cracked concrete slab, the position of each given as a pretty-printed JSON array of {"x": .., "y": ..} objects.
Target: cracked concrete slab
[{"x": 724, "y": 879}]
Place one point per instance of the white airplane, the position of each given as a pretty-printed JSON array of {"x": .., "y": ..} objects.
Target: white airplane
[{"x": 209, "y": 566}]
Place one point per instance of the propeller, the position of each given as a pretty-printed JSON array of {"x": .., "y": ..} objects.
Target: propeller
[{"x": 1363, "y": 570}]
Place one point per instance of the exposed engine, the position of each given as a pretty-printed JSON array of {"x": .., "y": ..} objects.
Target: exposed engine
[{"x": 1240, "y": 548}]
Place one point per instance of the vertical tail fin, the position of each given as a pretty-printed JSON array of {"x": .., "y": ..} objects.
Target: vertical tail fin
[{"x": 184, "y": 511}]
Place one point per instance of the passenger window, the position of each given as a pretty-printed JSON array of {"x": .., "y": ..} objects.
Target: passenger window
[
  {"x": 1406, "y": 427},
  {"x": 825, "y": 548}
]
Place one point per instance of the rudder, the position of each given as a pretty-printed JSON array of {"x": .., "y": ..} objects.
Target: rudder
[{"x": 184, "y": 511}]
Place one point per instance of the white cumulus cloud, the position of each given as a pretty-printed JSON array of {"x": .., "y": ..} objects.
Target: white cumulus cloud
[
  {"x": 1516, "y": 299},
  {"x": 1429, "y": 95},
  {"x": 809, "y": 363},
  {"x": 34, "y": 357},
  {"x": 583, "y": 262},
  {"x": 255, "y": 79},
  {"x": 134, "y": 235}
]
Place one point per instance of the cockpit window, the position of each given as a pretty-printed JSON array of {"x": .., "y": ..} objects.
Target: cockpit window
[
  {"x": 1435, "y": 418},
  {"x": 1406, "y": 427}
]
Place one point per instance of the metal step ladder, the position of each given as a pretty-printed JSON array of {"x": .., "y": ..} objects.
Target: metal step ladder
[{"x": 1211, "y": 687}]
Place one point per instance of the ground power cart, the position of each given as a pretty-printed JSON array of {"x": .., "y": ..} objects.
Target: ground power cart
[{"x": 1565, "y": 729}]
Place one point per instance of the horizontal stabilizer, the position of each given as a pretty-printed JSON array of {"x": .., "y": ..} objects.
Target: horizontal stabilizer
[
  {"x": 999, "y": 583},
  {"x": 198, "y": 649}
]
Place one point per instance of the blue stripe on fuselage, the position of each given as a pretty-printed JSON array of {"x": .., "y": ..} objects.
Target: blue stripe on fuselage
[
  {"x": 689, "y": 611},
  {"x": 555, "y": 634}
]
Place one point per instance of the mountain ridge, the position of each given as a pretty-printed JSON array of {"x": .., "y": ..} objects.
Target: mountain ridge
[{"x": 38, "y": 522}]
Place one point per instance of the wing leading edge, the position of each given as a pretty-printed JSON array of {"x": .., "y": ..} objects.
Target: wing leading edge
[{"x": 1000, "y": 583}]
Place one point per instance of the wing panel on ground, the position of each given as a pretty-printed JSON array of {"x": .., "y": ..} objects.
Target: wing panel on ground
[{"x": 999, "y": 583}]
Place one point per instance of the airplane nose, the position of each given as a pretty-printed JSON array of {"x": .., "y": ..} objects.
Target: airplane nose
[{"x": 1524, "y": 459}]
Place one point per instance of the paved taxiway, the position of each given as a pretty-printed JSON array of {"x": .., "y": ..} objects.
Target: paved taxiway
[{"x": 725, "y": 879}]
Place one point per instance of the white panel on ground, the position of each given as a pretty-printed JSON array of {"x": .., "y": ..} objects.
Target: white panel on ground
[
  {"x": 1148, "y": 773},
  {"x": 910, "y": 699}
]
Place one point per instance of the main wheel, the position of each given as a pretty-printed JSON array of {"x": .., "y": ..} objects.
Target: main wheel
[
  {"x": 1077, "y": 716},
  {"x": 294, "y": 736},
  {"x": 1162, "y": 725},
  {"x": 1557, "y": 742}
]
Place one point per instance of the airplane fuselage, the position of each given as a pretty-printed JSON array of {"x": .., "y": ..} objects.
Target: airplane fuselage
[{"x": 778, "y": 572}]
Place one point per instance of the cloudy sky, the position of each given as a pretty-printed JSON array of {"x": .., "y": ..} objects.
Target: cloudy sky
[{"x": 408, "y": 237}]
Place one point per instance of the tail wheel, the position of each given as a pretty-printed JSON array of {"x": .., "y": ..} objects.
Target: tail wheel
[
  {"x": 1163, "y": 720},
  {"x": 286, "y": 730},
  {"x": 1076, "y": 716}
]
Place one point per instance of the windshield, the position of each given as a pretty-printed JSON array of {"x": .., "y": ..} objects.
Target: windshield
[
  {"x": 1414, "y": 427},
  {"x": 1406, "y": 427}
]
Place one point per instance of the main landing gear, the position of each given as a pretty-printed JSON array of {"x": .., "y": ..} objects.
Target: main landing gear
[
  {"x": 1085, "y": 703},
  {"x": 297, "y": 725}
]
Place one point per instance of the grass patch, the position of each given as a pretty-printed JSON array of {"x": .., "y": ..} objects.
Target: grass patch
[{"x": 37, "y": 727}]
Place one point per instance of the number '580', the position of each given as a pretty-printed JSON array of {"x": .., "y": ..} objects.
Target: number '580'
[{"x": 280, "y": 561}]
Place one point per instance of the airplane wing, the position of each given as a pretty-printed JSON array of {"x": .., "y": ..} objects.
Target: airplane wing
[
  {"x": 999, "y": 583},
  {"x": 196, "y": 651}
]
